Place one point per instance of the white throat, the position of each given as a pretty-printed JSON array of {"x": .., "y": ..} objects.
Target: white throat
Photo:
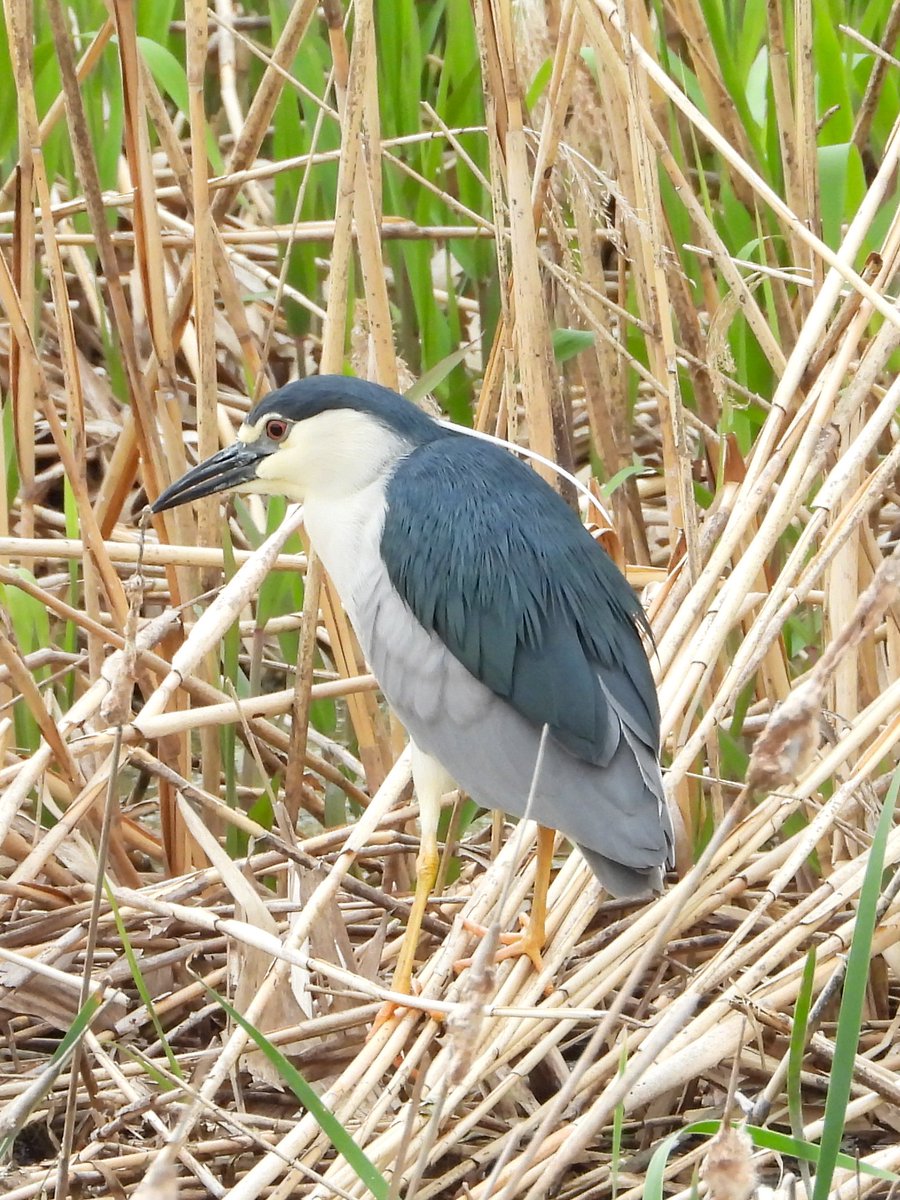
[{"x": 337, "y": 465}]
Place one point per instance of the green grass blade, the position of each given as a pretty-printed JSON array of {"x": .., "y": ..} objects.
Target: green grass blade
[
  {"x": 569, "y": 342},
  {"x": 724, "y": 44},
  {"x": 618, "y": 1121},
  {"x": 850, "y": 1018},
  {"x": 616, "y": 481},
  {"x": 141, "y": 984},
  {"x": 655, "y": 1178},
  {"x": 170, "y": 76},
  {"x": 798, "y": 1044},
  {"x": 35, "y": 1091},
  {"x": 763, "y": 1139},
  {"x": 355, "y": 1156},
  {"x": 434, "y": 377}
]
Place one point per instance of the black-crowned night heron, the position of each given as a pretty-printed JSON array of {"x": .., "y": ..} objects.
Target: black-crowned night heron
[{"x": 486, "y": 611}]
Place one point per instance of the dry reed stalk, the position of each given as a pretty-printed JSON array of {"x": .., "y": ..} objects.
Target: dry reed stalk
[
  {"x": 798, "y": 527},
  {"x": 350, "y": 85},
  {"x": 127, "y": 552},
  {"x": 22, "y": 370}
]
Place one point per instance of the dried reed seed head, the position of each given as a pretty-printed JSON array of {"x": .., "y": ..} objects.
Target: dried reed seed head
[
  {"x": 362, "y": 358},
  {"x": 115, "y": 708},
  {"x": 788, "y": 744},
  {"x": 463, "y": 1030},
  {"x": 584, "y": 150},
  {"x": 465, "y": 1024},
  {"x": 728, "y": 1169}
]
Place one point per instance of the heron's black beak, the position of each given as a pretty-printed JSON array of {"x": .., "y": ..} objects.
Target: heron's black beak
[{"x": 228, "y": 469}]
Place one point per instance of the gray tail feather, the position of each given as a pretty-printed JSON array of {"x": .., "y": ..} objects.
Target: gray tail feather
[{"x": 621, "y": 881}]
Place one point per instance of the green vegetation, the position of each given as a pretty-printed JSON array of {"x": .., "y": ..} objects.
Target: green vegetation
[{"x": 654, "y": 243}]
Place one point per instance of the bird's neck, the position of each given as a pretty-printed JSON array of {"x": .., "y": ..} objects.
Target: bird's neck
[{"x": 345, "y": 532}]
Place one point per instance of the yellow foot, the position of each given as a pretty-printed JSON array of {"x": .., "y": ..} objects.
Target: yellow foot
[
  {"x": 388, "y": 1012},
  {"x": 392, "y": 1010},
  {"x": 529, "y": 942}
]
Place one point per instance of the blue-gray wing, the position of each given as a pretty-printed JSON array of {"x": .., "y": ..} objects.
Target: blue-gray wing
[{"x": 490, "y": 559}]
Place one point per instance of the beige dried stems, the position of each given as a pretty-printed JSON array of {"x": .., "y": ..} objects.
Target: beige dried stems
[{"x": 774, "y": 608}]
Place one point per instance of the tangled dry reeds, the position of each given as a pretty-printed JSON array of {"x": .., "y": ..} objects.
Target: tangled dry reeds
[{"x": 615, "y": 232}]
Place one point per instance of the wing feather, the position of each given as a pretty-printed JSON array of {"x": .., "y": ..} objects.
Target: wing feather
[{"x": 501, "y": 569}]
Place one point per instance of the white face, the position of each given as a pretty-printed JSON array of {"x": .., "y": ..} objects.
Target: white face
[{"x": 334, "y": 454}]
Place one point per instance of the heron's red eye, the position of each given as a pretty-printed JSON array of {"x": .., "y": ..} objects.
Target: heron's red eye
[{"x": 276, "y": 429}]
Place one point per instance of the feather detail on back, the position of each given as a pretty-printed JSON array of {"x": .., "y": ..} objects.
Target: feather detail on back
[{"x": 501, "y": 569}]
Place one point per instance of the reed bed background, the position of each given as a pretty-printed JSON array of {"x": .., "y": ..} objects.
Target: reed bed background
[{"x": 657, "y": 244}]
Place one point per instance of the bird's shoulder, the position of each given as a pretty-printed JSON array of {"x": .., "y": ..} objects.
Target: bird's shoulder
[{"x": 492, "y": 560}]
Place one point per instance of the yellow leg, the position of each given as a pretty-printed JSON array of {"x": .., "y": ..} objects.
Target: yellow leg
[
  {"x": 531, "y": 940},
  {"x": 431, "y": 782},
  {"x": 427, "y": 862},
  {"x": 536, "y": 934}
]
